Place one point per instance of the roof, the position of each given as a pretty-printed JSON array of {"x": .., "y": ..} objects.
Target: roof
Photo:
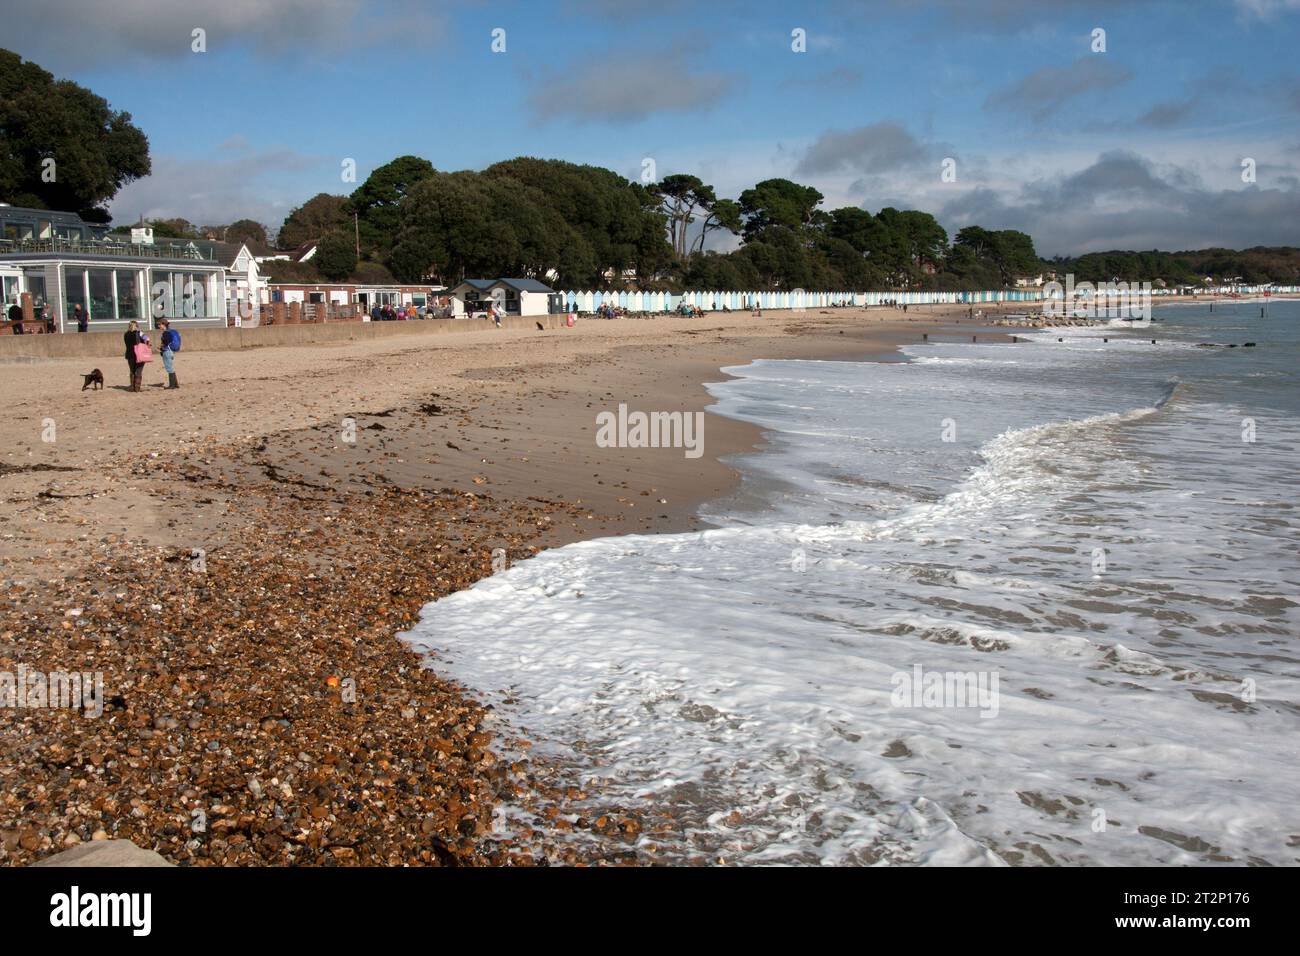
[
  {"x": 526, "y": 285},
  {"x": 226, "y": 252},
  {"x": 519, "y": 285}
]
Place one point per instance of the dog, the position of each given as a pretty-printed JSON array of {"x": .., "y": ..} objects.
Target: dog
[
  {"x": 540, "y": 327},
  {"x": 95, "y": 378}
]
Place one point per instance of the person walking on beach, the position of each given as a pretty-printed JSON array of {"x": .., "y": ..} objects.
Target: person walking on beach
[
  {"x": 132, "y": 338},
  {"x": 495, "y": 314},
  {"x": 170, "y": 344},
  {"x": 81, "y": 317}
]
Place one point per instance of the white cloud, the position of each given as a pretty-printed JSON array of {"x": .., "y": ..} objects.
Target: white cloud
[{"x": 241, "y": 183}]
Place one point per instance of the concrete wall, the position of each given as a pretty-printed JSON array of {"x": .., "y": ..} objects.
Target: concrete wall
[{"x": 109, "y": 344}]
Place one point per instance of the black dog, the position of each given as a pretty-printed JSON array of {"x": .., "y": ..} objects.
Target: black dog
[
  {"x": 540, "y": 327},
  {"x": 95, "y": 378}
]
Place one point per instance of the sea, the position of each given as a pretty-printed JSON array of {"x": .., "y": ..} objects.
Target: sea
[{"x": 985, "y": 604}]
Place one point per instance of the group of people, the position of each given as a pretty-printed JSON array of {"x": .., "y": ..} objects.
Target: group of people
[
  {"x": 403, "y": 313},
  {"x": 386, "y": 313},
  {"x": 139, "y": 352},
  {"x": 607, "y": 310}
]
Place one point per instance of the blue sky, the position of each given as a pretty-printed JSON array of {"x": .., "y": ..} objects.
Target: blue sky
[{"x": 1135, "y": 147}]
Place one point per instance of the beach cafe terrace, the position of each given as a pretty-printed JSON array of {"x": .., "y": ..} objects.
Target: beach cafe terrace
[{"x": 61, "y": 261}]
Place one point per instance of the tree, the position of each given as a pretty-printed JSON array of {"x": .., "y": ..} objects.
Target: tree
[
  {"x": 855, "y": 226},
  {"x": 336, "y": 256},
  {"x": 376, "y": 200},
  {"x": 62, "y": 146},
  {"x": 993, "y": 258},
  {"x": 724, "y": 215},
  {"x": 617, "y": 220},
  {"x": 1014, "y": 254},
  {"x": 778, "y": 202},
  {"x": 317, "y": 216},
  {"x": 245, "y": 230},
  {"x": 680, "y": 195}
]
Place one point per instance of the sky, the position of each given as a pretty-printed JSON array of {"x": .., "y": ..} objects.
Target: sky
[{"x": 1175, "y": 127}]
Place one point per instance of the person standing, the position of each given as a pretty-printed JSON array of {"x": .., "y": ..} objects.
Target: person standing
[
  {"x": 132, "y": 338},
  {"x": 169, "y": 344},
  {"x": 81, "y": 317}
]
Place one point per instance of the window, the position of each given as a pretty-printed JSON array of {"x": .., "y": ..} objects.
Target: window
[
  {"x": 74, "y": 289},
  {"x": 129, "y": 305},
  {"x": 101, "y": 295},
  {"x": 315, "y": 297},
  {"x": 194, "y": 293},
  {"x": 36, "y": 286},
  {"x": 10, "y": 289},
  {"x": 161, "y": 300}
]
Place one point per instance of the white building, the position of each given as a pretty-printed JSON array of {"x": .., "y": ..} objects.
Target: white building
[
  {"x": 63, "y": 261},
  {"x": 512, "y": 297}
]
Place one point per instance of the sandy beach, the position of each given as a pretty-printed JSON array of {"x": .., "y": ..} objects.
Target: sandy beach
[{"x": 236, "y": 556}]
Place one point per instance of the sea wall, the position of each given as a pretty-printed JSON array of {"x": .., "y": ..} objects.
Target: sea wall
[{"x": 108, "y": 345}]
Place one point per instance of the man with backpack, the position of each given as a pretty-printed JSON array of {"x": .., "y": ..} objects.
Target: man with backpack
[{"x": 171, "y": 344}]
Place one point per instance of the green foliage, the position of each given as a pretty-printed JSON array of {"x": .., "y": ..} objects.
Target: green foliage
[
  {"x": 679, "y": 197},
  {"x": 96, "y": 150},
  {"x": 376, "y": 201},
  {"x": 777, "y": 202},
  {"x": 1256, "y": 266},
  {"x": 336, "y": 256},
  {"x": 283, "y": 270},
  {"x": 372, "y": 273},
  {"x": 246, "y": 230},
  {"x": 527, "y": 217},
  {"x": 993, "y": 257},
  {"x": 321, "y": 214}
]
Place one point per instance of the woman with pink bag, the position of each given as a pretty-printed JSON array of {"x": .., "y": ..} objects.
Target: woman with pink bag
[{"x": 137, "y": 354}]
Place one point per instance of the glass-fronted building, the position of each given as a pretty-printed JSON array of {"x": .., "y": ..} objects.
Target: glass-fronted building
[{"x": 64, "y": 262}]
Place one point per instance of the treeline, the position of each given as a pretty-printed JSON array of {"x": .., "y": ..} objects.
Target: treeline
[
  {"x": 1260, "y": 265},
  {"x": 588, "y": 227}
]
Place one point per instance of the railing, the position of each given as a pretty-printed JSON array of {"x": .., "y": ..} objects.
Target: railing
[{"x": 104, "y": 247}]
